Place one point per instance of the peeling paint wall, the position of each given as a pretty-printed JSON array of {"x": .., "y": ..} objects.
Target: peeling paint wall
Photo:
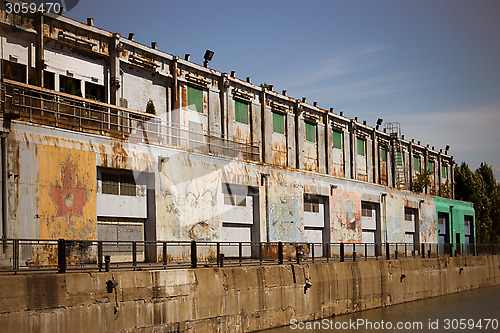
[
  {"x": 286, "y": 218},
  {"x": 67, "y": 194},
  {"x": 345, "y": 212}
]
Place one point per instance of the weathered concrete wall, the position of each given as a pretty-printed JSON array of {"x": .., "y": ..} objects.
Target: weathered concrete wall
[{"x": 232, "y": 299}]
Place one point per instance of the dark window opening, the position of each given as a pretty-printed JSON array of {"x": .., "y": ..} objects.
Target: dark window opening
[
  {"x": 14, "y": 71},
  {"x": 118, "y": 182},
  {"x": 311, "y": 203},
  {"x": 70, "y": 85},
  {"x": 95, "y": 92},
  {"x": 49, "y": 80}
]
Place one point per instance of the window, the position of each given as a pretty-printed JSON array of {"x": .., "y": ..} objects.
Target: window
[
  {"x": 14, "y": 71},
  {"x": 399, "y": 158},
  {"x": 366, "y": 211},
  {"x": 241, "y": 112},
  {"x": 49, "y": 80},
  {"x": 95, "y": 92},
  {"x": 443, "y": 171},
  {"x": 361, "y": 146},
  {"x": 310, "y": 132},
  {"x": 235, "y": 200},
  {"x": 70, "y": 85},
  {"x": 311, "y": 204},
  {"x": 383, "y": 153},
  {"x": 195, "y": 99},
  {"x": 431, "y": 166},
  {"x": 416, "y": 163},
  {"x": 278, "y": 123},
  {"x": 337, "y": 139},
  {"x": 120, "y": 182}
]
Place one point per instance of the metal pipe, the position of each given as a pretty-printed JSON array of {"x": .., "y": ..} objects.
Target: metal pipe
[{"x": 5, "y": 215}]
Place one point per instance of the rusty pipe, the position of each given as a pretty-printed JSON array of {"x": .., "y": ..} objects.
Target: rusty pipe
[{"x": 4, "y": 185}]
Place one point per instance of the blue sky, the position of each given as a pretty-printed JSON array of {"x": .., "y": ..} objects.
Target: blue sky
[{"x": 432, "y": 65}]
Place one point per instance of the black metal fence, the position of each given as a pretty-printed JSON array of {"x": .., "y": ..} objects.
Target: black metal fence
[{"x": 32, "y": 255}]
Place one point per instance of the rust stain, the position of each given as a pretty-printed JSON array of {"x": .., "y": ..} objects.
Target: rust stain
[{"x": 184, "y": 96}]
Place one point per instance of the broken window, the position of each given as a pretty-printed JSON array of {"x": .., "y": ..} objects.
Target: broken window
[
  {"x": 337, "y": 139},
  {"x": 310, "y": 132},
  {"x": 195, "y": 99},
  {"x": 278, "y": 123},
  {"x": 361, "y": 146},
  {"x": 241, "y": 112},
  {"x": 118, "y": 182}
]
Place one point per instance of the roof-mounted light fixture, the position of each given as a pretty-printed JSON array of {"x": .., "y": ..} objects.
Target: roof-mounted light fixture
[{"x": 208, "y": 57}]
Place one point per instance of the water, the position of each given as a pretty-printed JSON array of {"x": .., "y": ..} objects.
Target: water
[{"x": 469, "y": 311}]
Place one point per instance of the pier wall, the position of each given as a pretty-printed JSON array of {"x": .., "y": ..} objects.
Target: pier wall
[{"x": 230, "y": 299}]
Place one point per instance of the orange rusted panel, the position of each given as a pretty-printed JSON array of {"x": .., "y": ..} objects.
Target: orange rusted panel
[
  {"x": 184, "y": 97},
  {"x": 67, "y": 186},
  {"x": 383, "y": 173},
  {"x": 279, "y": 149}
]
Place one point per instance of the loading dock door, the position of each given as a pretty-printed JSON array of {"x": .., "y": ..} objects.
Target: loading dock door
[
  {"x": 369, "y": 226},
  {"x": 444, "y": 232},
  {"x": 411, "y": 226},
  {"x": 314, "y": 221},
  {"x": 237, "y": 218}
]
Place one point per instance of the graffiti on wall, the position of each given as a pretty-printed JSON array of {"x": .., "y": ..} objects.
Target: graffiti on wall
[
  {"x": 67, "y": 193},
  {"x": 345, "y": 212},
  {"x": 286, "y": 220},
  {"x": 192, "y": 201},
  {"x": 428, "y": 223}
]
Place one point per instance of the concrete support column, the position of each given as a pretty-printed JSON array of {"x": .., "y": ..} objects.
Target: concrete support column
[
  {"x": 175, "y": 92},
  {"x": 426, "y": 166},
  {"x": 291, "y": 140},
  {"x": 440, "y": 176},
  {"x": 321, "y": 144},
  {"x": 114, "y": 70},
  {"x": 375, "y": 158},
  {"x": 224, "y": 84},
  {"x": 267, "y": 129},
  {"x": 299, "y": 135},
  {"x": 353, "y": 151},
  {"x": 452, "y": 178},
  {"x": 410, "y": 164},
  {"x": 40, "y": 49}
]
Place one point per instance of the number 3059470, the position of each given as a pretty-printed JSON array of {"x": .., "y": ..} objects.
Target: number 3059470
[{"x": 25, "y": 8}]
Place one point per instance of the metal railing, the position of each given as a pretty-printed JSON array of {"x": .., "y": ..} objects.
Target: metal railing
[
  {"x": 34, "y": 255},
  {"x": 52, "y": 108}
]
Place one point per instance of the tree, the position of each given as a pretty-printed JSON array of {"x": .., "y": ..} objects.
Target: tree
[
  {"x": 421, "y": 181},
  {"x": 481, "y": 188}
]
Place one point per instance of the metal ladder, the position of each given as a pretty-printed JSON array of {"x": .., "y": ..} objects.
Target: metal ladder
[{"x": 394, "y": 130}]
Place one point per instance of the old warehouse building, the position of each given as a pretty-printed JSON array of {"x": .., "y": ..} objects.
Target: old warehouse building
[{"x": 107, "y": 139}]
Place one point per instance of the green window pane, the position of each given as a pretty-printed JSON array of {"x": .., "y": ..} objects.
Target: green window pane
[
  {"x": 399, "y": 158},
  {"x": 278, "y": 123},
  {"x": 195, "y": 99},
  {"x": 361, "y": 147},
  {"x": 241, "y": 112},
  {"x": 443, "y": 171},
  {"x": 310, "y": 132},
  {"x": 383, "y": 153},
  {"x": 431, "y": 166},
  {"x": 337, "y": 139},
  {"x": 416, "y": 163}
]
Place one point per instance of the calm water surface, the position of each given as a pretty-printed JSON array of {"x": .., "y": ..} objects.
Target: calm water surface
[{"x": 469, "y": 311}]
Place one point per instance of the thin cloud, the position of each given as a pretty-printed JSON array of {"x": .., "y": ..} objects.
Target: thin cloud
[{"x": 341, "y": 63}]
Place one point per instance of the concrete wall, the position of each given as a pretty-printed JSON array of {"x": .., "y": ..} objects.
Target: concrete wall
[{"x": 232, "y": 299}]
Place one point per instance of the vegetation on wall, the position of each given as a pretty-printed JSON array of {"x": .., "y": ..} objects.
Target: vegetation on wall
[
  {"x": 421, "y": 181},
  {"x": 482, "y": 189}
]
